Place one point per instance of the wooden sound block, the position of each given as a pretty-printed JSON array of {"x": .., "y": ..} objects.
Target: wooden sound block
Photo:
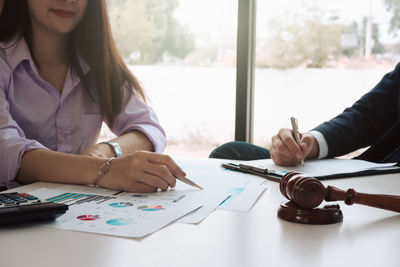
[{"x": 326, "y": 215}]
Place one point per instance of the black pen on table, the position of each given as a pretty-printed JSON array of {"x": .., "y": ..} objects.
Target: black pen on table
[{"x": 296, "y": 135}]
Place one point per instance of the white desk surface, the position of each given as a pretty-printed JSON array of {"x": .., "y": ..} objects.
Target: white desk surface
[{"x": 366, "y": 237}]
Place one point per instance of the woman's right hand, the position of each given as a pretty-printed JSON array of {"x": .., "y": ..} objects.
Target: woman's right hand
[
  {"x": 142, "y": 171},
  {"x": 285, "y": 151}
]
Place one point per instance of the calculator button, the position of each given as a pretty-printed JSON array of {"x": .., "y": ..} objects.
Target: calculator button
[{"x": 11, "y": 204}]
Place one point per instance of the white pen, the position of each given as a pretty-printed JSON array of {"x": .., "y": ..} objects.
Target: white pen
[
  {"x": 295, "y": 127},
  {"x": 189, "y": 182}
]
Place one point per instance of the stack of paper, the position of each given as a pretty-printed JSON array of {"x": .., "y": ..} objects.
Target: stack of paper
[
  {"x": 104, "y": 211},
  {"x": 331, "y": 168},
  {"x": 130, "y": 215},
  {"x": 243, "y": 189}
]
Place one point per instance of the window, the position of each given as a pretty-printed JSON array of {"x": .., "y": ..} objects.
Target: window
[
  {"x": 315, "y": 58},
  {"x": 184, "y": 53}
]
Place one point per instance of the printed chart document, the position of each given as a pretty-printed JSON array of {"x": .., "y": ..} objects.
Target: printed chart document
[
  {"x": 104, "y": 211},
  {"x": 331, "y": 168},
  {"x": 126, "y": 214},
  {"x": 243, "y": 189},
  {"x": 211, "y": 197}
]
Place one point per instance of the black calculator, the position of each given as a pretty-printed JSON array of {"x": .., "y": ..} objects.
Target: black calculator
[{"x": 17, "y": 208}]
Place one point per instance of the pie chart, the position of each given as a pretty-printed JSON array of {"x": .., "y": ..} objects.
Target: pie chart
[
  {"x": 121, "y": 204},
  {"x": 150, "y": 208},
  {"x": 88, "y": 217},
  {"x": 119, "y": 222}
]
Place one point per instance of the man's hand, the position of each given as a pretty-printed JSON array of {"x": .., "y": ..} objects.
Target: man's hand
[{"x": 285, "y": 151}]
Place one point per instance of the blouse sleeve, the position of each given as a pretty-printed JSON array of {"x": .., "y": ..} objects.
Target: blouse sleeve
[
  {"x": 137, "y": 115},
  {"x": 13, "y": 143}
]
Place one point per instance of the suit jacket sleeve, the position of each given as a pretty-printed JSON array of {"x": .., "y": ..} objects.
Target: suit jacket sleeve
[{"x": 369, "y": 118}]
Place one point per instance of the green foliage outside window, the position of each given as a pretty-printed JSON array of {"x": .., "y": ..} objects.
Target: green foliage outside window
[
  {"x": 145, "y": 30},
  {"x": 309, "y": 43}
]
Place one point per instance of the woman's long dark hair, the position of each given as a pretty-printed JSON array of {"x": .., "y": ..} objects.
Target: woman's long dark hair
[{"x": 92, "y": 40}]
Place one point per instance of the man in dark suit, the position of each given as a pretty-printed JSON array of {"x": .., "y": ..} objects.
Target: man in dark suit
[{"x": 373, "y": 121}]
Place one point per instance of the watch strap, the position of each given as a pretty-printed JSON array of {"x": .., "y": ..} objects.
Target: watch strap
[{"x": 115, "y": 147}]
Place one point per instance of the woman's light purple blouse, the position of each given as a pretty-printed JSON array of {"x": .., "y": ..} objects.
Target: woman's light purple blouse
[{"x": 35, "y": 115}]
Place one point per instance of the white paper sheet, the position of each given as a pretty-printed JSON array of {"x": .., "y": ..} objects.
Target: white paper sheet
[
  {"x": 325, "y": 167},
  {"x": 128, "y": 215},
  {"x": 212, "y": 198},
  {"x": 245, "y": 189},
  {"x": 136, "y": 215}
]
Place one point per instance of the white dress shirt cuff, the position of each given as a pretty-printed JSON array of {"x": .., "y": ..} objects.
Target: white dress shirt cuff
[{"x": 323, "y": 146}]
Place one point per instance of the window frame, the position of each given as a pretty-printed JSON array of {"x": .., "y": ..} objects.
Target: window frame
[{"x": 245, "y": 68}]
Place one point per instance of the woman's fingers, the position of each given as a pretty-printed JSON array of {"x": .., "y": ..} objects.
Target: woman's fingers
[
  {"x": 151, "y": 180},
  {"x": 163, "y": 160},
  {"x": 143, "y": 171},
  {"x": 140, "y": 188},
  {"x": 161, "y": 172}
]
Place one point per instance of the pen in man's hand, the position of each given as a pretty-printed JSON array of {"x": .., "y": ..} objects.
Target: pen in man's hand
[{"x": 296, "y": 135}]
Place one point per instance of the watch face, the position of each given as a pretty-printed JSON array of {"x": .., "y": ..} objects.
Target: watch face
[{"x": 116, "y": 149}]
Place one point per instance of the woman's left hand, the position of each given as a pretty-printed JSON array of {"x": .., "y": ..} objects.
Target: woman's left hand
[{"x": 98, "y": 150}]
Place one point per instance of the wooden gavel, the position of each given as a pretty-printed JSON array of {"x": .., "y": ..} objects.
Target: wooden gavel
[{"x": 308, "y": 192}]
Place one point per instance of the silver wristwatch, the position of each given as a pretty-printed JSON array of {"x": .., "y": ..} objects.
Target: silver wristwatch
[{"x": 115, "y": 148}]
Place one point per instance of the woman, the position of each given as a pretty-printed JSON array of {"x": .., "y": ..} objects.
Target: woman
[{"x": 61, "y": 76}]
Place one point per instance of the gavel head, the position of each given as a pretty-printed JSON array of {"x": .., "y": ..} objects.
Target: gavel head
[{"x": 305, "y": 192}]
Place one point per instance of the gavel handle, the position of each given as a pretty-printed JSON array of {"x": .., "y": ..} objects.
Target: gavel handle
[{"x": 387, "y": 202}]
